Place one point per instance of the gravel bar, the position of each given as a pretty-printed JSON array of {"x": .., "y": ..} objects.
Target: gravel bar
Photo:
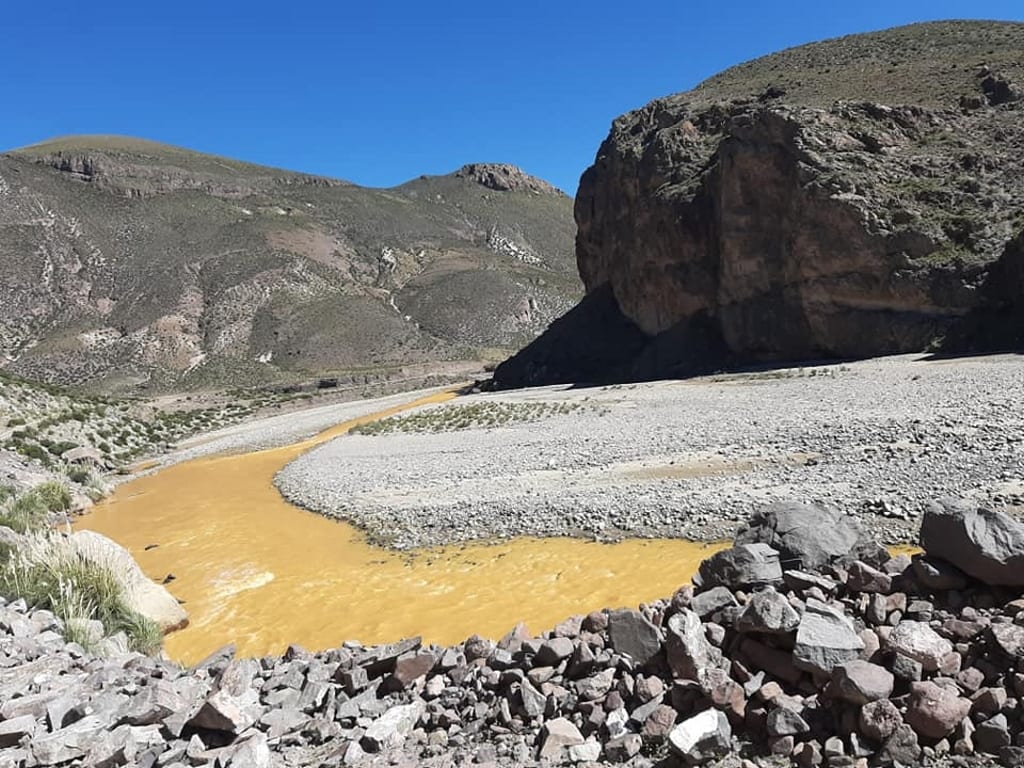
[{"x": 878, "y": 438}]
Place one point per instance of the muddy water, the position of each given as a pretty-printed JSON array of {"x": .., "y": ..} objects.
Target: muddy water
[{"x": 255, "y": 570}]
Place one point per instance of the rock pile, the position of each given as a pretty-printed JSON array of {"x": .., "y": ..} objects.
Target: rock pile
[{"x": 786, "y": 649}]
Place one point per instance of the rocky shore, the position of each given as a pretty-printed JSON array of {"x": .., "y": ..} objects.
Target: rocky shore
[
  {"x": 690, "y": 458},
  {"x": 805, "y": 644}
]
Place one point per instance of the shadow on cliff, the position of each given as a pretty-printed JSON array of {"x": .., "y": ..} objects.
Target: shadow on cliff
[{"x": 594, "y": 344}]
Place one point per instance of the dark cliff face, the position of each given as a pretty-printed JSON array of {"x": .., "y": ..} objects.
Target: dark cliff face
[{"x": 785, "y": 228}]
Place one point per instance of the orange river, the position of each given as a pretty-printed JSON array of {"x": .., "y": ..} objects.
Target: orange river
[{"x": 252, "y": 569}]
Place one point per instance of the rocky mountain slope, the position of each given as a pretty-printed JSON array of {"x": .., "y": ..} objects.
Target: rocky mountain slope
[
  {"x": 854, "y": 197},
  {"x": 132, "y": 264}
]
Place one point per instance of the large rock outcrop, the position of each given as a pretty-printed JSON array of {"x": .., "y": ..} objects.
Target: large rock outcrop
[{"x": 798, "y": 208}]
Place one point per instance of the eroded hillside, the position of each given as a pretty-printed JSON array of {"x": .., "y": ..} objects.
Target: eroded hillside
[{"x": 133, "y": 264}]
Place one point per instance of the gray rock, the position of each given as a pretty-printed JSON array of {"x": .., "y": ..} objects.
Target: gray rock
[
  {"x": 810, "y": 537},
  {"x": 690, "y": 655},
  {"x": 769, "y": 612},
  {"x": 983, "y": 543},
  {"x": 14, "y": 730},
  {"x": 70, "y": 743},
  {"x": 623, "y": 748},
  {"x": 392, "y": 728},
  {"x": 715, "y": 599},
  {"x": 860, "y": 682},
  {"x": 703, "y": 737},
  {"x": 785, "y": 722},
  {"x": 559, "y": 734},
  {"x": 917, "y": 640},
  {"x": 251, "y": 752},
  {"x": 553, "y": 651},
  {"x": 825, "y": 638},
  {"x": 742, "y": 566},
  {"x": 587, "y": 752},
  {"x": 901, "y": 748},
  {"x": 993, "y": 734},
  {"x": 1009, "y": 638},
  {"x": 633, "y": 635}
]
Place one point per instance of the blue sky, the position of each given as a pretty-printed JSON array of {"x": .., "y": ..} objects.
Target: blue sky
[{"x": 380, "y": 92}]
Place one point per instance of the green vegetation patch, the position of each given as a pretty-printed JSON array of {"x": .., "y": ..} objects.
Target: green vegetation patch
[{"x": 453, "y": 418}]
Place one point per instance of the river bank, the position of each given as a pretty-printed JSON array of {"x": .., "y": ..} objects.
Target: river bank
[{"x": 690, "y": 459}]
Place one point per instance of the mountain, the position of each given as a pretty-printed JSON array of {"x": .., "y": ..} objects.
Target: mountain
[
  {"x": 855, "y": 197},
  {"x": 129, "y": 264}
]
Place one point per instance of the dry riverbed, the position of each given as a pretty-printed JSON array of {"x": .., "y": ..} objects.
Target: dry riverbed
[{"x": 692, "y": 459}]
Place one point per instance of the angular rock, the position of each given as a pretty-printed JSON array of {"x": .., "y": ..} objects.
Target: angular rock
[
  {"x": 553, "y": 651},
  {"x": 630, "y": 633},
  {"x": 810, "y": 537},
  {"x": 1009, "y": 638},
  {"x": 983, "y": 543},
  {"x": 708, "y": 601},
  {"x": 860, "y": 682},
  {"x": 659, "y": 723},
  {"x": 742, "y": 566},
  {"x": 934, "y": 711},
  {"x": 558, "y": 734},
  {"x": 624, "y": 747},
  {"x": 392, "y": 728},
  {"x": 824, "y": 639},
  {"x": 878, "y": 720},
  {"x": 786, "y": 722},
  {"x": 587, "y": 752},
  {"x": 918, "y": 641},
  {"x": 768, "y": 612},
  {"x": 900, "y": 749},
  {"x": 703, "y": 737},
  {"x": 690, "y": 655},
  {"x": 14, "y": 730},
  {"x": 861, "y": 577}
]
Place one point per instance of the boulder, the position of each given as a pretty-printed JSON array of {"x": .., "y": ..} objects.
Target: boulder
[
  {"x": 741, "y": 566},
  {"x": 393, "y": 727},
  {"x": 690, "y": 655},
  {"x": 143, "y": 595},
  {"x": 632, "y": 634},
  {"x": 810, "y": 537},
  {"x": 934, "y": 710},
  {"x": 860, "y": 682},
  {"x": 918, "y": 641},
  {"x": 983, "y": 543},
  {"x": 768, "y": 612},
  {"x": 825, "y": 638}
]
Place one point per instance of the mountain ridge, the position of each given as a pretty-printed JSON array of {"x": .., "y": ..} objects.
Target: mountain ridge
[{"x": 132, "y": 263}]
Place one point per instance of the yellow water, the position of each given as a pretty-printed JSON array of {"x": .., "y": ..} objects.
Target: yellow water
[{"x": 255, "y": 570}]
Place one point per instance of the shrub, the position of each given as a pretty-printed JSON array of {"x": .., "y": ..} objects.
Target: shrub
[
  {"x": 49, "y": 573},
  {"x": 55, "y": 495},
  {"x": 25, "y": 513}
]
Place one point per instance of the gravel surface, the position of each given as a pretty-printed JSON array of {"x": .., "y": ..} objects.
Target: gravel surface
[
  {"x": 284, "y": 429},
  {"x": 878, "y": 438}
]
